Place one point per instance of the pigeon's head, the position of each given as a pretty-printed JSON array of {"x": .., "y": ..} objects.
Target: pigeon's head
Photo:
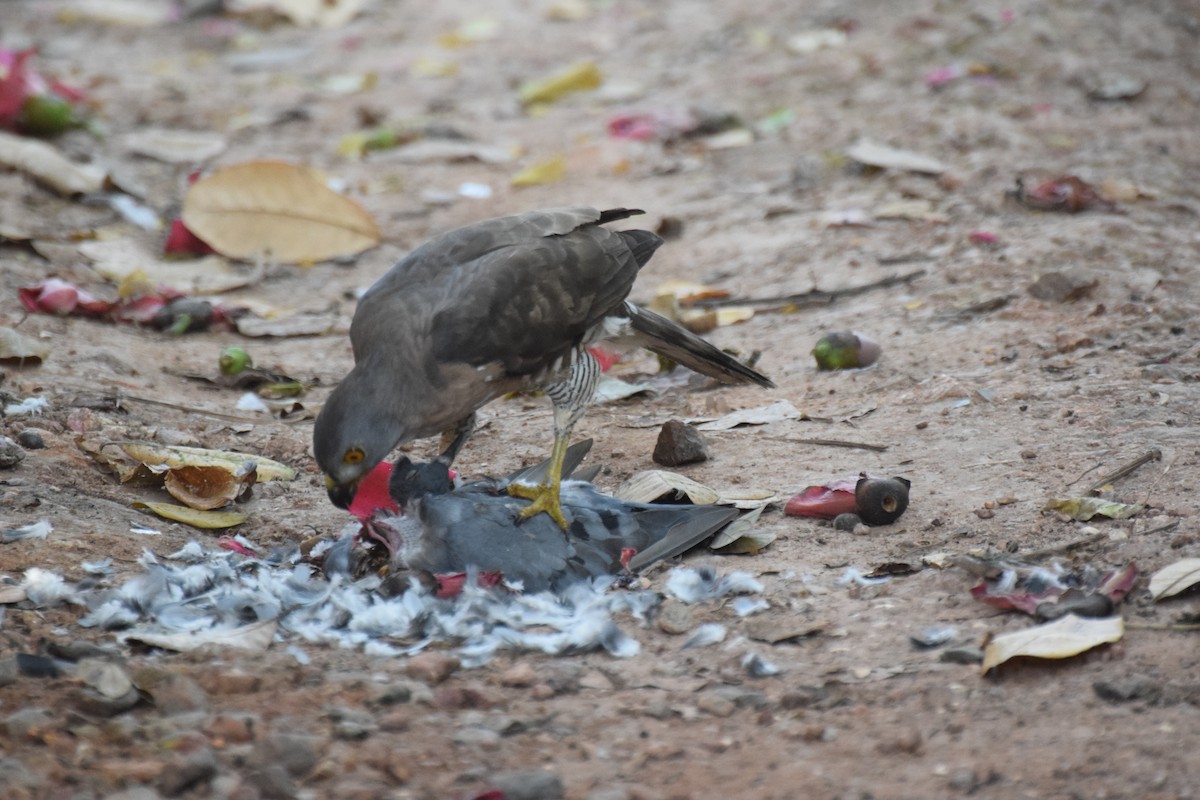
[
  {"x": 411, "y": 481},
  {"x": 354, "y": 431}
]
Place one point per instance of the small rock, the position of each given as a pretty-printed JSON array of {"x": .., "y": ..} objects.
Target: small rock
[
  {"x": 230, "y": 730},
  {"x": 176, "y": 693},
  {"x": 188, "y": 770},
  {"x": 659, "y": 709},
  {"x": 596, "y": 680},
  {"x": 15, "y": 775},
  {"x": 356, "y": 787},
  {"x": 485, "y": 737},
  {"x": 27, "y": 722},
  {"x": 8, "y": 670},
  {"x": 715, "y": 704},
  {"x": 1062, "y": 287},
  {"x": 273, "y": 782},
  {"x": 134, "y": 793},
  {"x": 674, "y": 617},
  {"x": 909, "y": 742},
  {"x": 964, "y": 780},
  {"x": 457, "y": 698},
  {"x": 221, "y": 682},
  {"x": 519, "y": 676},
  {"x": 351, "y": 725},
  {"x": 295, "y": 752},
  {"x": 31, "y": 439},
  {"x": 396, "y": 721},
  {"x": 431, "y": 668},
  {"x": 742, "y": 697},
  {"x": 847, "y": 522},
  {"x": 528, "y": 784},
  {"x": 610, "y": 793},
  {"x": 679, "y": 444},
  {"x": 1137, "y": 687},
  {"x": 11, "y": 453},
  {"x": 962, "y": 655}
]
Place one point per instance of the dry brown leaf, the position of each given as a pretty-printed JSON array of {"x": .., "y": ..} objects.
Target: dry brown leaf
[
  {"x": 281, "y": 211},
  {"x": 1174, "y": 578},
  {"x": 1063, "y": 638},
  {"x": 210, "y": 487},
  {"x": 648, "y": 486},
  {"x": 174, "y": 146},
  {"x": 45, "y": 164},
  {"x": 209, "y": 520},
  {"x": 124, "y": 261},
  {"x": 17, "y": 348}
]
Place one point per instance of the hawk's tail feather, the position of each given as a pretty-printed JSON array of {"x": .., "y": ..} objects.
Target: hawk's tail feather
[
  {"x": 642, "y": 244},
  {"x": 670, "y": 340},
  {"x": 614, "y": 214}
]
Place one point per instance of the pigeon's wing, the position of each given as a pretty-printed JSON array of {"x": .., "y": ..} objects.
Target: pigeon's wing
[{"x": 673, "y": 531}]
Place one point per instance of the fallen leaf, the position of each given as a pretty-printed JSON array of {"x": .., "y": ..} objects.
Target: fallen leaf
[
  {"x": 873, "y": 154},
  {"x": 547, "y": 171},
  {"x": 255, "y": 638},
  {"x": 655, "y": 484},
  {"x": 742, "y": 526},
  {"x": 1084, "y": 508},
  {"x": 429, "y": 151},
  {"x": 209, "y": 487},
  {"x": 806, "y": 42},
  {"x": 177, "y": 457},
  {"x": 612, "y": 388},
  {"x": 10, "y": 593},
  {"x": 127, "y": 262},
  {"x": 687, "y": 292},
  {"x": 208, "y": 520},
  {"x": 134, "y": 13},
  {"x": 174, "y": 146},
  {"x": 283, "y": 211},
  {"x": 46, "y": 164},
  {"x": 775, "y": 412},
  {"x": 576, "y": 78},
  {"x": 1174, "y": 578},
  {"x": 309, "y": 13},
  {"x": 305, "y": 323},
  {"x": 21, "y": 350},
  {"x": 1063, "y": 638}
]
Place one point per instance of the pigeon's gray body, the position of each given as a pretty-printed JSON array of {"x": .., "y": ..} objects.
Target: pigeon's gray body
[{"x": 477, "y": 526}]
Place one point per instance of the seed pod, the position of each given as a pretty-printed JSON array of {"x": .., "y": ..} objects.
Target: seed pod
[
  {"x": 234, "y": 360},
  {"x": 845, "y": 350},
  {"x": 881, "y": 501}
]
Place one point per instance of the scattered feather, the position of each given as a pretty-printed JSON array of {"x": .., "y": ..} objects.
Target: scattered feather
[
  {"x": 46, "y": 589},
  {"x": 745, "y": 606},
  {"x": 694, "y": 585},
  {"x": 34, "y": 530},
  {"x": 758, "y": 667},
  {"x": 856, "y": 576},
  {"x": 708, "y": 634},
  {"x": 30, "y": 406}
]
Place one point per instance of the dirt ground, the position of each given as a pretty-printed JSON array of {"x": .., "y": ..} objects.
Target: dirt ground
[{"x": 983, "y": 392}]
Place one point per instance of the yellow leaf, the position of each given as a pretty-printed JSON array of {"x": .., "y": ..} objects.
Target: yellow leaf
[
  {"x": 650, "y": 485},
  {"x": 1063, "y": 638},
  {"x": 285, "y": 212},
  {"x": 548, "y": 171},
  {"x": 210, "y": 487},
  {"x": 1174, "y": 578},
  {"x": 176, "y": 457},
  {"x": 194, "y": 517},
  {"x": 576, "y": 78}
]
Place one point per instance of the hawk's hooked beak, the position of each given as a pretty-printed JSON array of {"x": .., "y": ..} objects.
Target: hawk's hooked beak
[{"x": 340, "y": 494}]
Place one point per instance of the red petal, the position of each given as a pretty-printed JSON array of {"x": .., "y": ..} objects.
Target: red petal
[
  {"x": 17, "y": 83},
  {"x": 181, "y": 241},
  {"x": 373, "y": 494},
  {"x": 140, "y": 310},
  {"x": 822, "y": 502}
]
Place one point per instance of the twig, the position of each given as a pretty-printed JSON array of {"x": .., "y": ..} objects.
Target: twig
[
  {"x": 878, "y": 448},
  {"x": 1153, "y": 454},
  {"x": 1065, "y": 547},
  {"x": 815, "y": 297},
  {"x": 1162, "y": 626},
  {"x": 191, "y": 409},
  {"x": 1170, "y": 526}
]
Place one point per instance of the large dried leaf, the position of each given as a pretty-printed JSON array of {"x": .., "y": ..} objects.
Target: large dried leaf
[
  {"x": 651, "y": 485},
  {"x": 127, "y": 263},
  {"x": 210, "y": 487},
  {"x": 174, "y": 146},
  {"x": 1063, "y": 638},
  {"x": 255, "y": 638},
  {"x": 208, "y": 520},
  {"x": 47, "y": 165},
  {"x": 175, "y": 457},
  {"x": 873, "y": 154},
  {"x": 742, "y": 526},
  {"x": 21, "y": 350},
  {"x": 1084, "y": 508},
  {"x": 775, "y": 412},
  {"x": 284, "y": 212},
  {"x": 312, "y": 13},
  {"x": 1174, "y": 578}
]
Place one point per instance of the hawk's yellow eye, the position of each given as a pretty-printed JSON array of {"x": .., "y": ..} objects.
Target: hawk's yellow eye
[{"x": 354, "y": 456}]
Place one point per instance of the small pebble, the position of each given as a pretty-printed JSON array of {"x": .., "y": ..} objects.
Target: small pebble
[
  {"x": 715, "y": 704},
  {"x": 31, "y": 439},
  {"x": 674, "y": 617},
  {"x": 519, "y": 676},
  {"x": 529, "y": 784},
  {"x": 11, "y": 453},
  {"x": 431, "y": 668},
  {"x": 846, "y": 522},
  {"x": 679, "y": 444},
  {"x": 191, "y": 769}
]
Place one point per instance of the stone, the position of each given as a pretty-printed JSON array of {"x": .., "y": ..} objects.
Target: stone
[
  {"x": 715, "y": 704},
  {"x": 187, "y": 770},
  {"x": 432, "y": 668},
  {"x": 22, "y": 724},
  {"x": 674, "y": 617},
  {"x": 296, "y": 752},
  {"x": 679, "y": 444},
  {"x": 11, "y": 453},
  {"x": 31, "y": 439},
  {"x": 176, "y": 693},
  {"x": 528, "y": 784},
  {"x": 519, "y": 676}
]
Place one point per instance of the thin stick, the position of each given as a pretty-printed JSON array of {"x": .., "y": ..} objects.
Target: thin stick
[
  {"x": 1162, "y": 626},
  {"x": 190, "y": 409},
  {"x": 814, "y": 297},
  {"x": 1170, "y": 526},
  {"x": 1066, "y": 547},
  {"x": 1153, "y": 454},
  {"x": 878, "y": 448}
]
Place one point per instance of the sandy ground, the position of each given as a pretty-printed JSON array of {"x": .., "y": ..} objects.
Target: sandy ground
[{"x": 976, "y": 401}]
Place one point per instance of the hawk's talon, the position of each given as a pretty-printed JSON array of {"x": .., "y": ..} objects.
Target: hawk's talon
[{"x": 544, "y": 497}]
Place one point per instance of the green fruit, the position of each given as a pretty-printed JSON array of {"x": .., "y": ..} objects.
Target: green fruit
[
  {"x": 47, "y": 115},
  {"x": 845, "y": 350},
  {"x": 234, "y": 360}
]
